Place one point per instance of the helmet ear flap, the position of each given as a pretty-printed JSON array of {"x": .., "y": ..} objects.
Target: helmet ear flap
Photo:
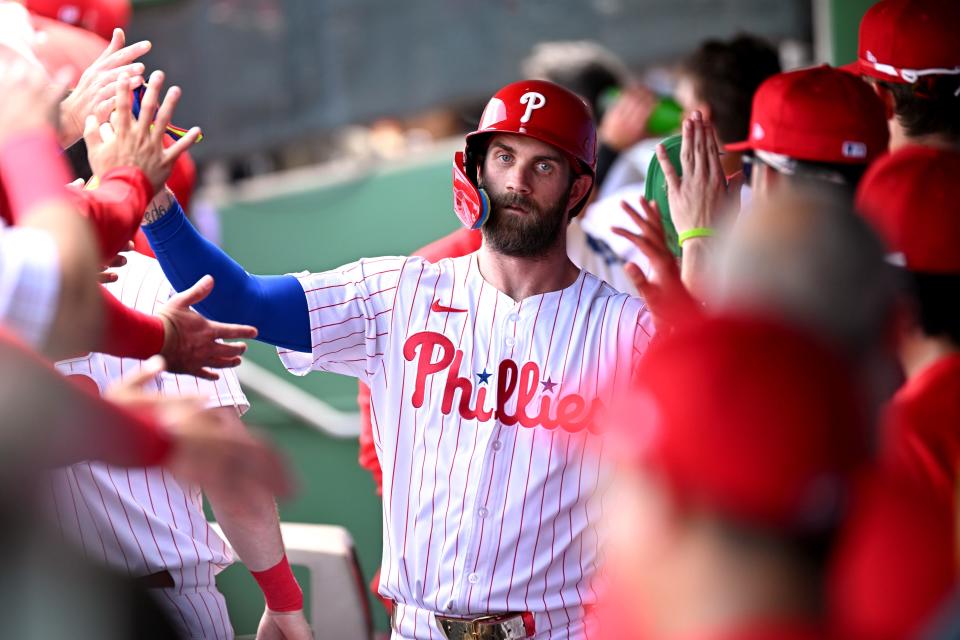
[{"x": 470, "y": 203}]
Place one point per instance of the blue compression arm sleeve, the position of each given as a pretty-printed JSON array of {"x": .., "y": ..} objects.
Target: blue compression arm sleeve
[{"x": 275, "y": 305}]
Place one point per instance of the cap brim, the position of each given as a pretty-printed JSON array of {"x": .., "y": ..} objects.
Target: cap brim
[
  {"x": 852, "y": 68},
  {"x": 746, "y": 145}
]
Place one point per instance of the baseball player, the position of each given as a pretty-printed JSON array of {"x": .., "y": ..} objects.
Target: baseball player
[
  {"x": 150, "y": 525},
  {"x": 724, "y": 525},
  {"x": 909, "y": 52},
  {"x": 910, "y": 198},
  {"x": 485, "y": 372}
]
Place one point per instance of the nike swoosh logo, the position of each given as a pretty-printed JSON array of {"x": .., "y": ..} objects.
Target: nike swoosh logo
[{"x": 436, "y": 307}]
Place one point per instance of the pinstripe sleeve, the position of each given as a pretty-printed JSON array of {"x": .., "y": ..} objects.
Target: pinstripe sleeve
[{"x": 350, "y": 316}]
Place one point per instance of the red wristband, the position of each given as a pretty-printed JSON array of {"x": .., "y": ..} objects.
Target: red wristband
[
  {"x": 280, "y": 588},
  {"x": 128, "y": 333},
  {"x": 115, "y": 207},
  {"x": 33, "y": 171}
]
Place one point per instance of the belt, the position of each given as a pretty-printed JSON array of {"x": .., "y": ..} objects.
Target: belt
[
  {"x": 497, "y": 626},
  {"x": 159, "y": 580}
]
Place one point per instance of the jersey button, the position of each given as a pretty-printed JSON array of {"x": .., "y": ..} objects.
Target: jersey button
[
  {"x": 497, "y": 445},
  {"x": 473, "y": 578},
  {"x": 513, "y": 317},
  {"x": 482, "y": 512},
  {"x": 510, "y": 341}
]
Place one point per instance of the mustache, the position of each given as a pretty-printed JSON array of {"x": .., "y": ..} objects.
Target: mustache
[{"x": 512, "y": 199}]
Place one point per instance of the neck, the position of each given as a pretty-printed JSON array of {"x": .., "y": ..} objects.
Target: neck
[
  {"x": 918, "y": 352},
  {"x": 521, "y": 278},
  {"x": 899, "y": 138}
]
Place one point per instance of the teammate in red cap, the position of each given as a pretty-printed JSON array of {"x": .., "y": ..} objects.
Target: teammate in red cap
[
  {"x": 99, "y": 16},
  {"x": 816, "y": 124},
  {"x": 911, "y": 198},
  {"x": 739, "y": 441},
  {"x": 486, "y": 372},
  {"x": 910, "y": 53}
]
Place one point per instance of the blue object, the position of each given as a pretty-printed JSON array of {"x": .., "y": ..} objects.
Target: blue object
[{"x": 275, "y": 305}]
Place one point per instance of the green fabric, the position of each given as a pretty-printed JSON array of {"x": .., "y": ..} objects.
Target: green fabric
[{"x": 655, "y": 189}]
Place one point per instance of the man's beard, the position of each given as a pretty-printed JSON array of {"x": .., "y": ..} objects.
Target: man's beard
[{"x": 523, "y": 236}]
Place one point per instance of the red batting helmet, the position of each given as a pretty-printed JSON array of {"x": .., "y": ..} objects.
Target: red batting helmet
[{"x": 537, "y": 109}]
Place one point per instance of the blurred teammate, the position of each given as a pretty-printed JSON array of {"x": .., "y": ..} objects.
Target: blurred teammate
[{"x": 739, "y": 445}]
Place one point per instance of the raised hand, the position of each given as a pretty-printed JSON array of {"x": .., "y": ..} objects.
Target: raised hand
[
  {"x": 96, "y": 90},
  {"x": 275, "y": 625},
  {"x": 192, "y": 344},
  {"x": 699, "y": 199},
  {"x": 128, "y": 141},
  {"x": 663, "y": 291}
]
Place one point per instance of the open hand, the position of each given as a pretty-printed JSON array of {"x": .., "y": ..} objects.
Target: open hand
[
  {"x": 128, "y": 141},
  {"x": 95, "y": 93},
  {"x": 663, "y": 291},
  {"x": 192, "y": 344}
]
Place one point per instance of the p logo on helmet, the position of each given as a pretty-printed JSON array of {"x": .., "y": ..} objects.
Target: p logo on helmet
[{"x": 534, "y": 101}]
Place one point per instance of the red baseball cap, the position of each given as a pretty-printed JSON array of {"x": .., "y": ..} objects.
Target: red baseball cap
[
  {"x": 820, "y": 114},
  {"x": 910, "y": 197},
  {"x": 894, "y": 566},
  {"x": 750, "y": 418},
  {"x": 904, "y": 40},
  {"x": 99, "y": 16}
]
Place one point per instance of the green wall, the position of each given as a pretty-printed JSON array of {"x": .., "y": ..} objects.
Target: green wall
[
  {"x": 844, "y": 25},
  {"x": 385, "y": 213}
]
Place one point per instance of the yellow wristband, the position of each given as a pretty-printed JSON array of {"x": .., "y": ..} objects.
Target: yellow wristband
[{"x": 696, "y": 232}]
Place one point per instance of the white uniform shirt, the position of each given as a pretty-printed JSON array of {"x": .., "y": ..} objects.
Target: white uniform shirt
[
  {"x": 141, "y": 521},
  {"x": 29, "y": 282},
  {"x": 483, "y": 511}
]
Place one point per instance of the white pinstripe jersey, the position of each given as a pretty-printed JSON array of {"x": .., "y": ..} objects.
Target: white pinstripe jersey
[
  {"x": 479, "y": 406},
  {"x": 141, "y": 521}
]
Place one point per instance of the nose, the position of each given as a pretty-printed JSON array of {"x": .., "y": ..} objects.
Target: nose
[{"x": 518, "y": 179}]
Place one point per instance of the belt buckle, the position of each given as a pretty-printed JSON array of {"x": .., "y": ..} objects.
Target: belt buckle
[{"x": 500, "y": 626}]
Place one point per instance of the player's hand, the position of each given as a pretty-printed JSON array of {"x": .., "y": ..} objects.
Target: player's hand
[
  {"x": 95, "y": 93},
  {"x": 663, "y": 291},
  {"x": 192, "y": 344},
  {"x": 700, "y": 198},
  {"x": 292, "y": 625},
  {"x": 106, "y": 276},
  {"x": 29, "y": 100},
  {"x": 625, "y": 123},
  {"x": 128, "y": 141}
]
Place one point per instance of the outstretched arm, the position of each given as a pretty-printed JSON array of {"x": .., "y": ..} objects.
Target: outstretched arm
[{"x": 275, "y": 305}]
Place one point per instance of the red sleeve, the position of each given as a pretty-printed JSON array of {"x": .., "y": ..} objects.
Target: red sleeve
[
  {"x": 141, "y": 245},
  {"x": 115, "y": 208},
  {"x": 128, "y": 333},
  {"x": 32, "y": 172},
  {"x": 368, "y": 452},
  {"x": 65, "y": 422},
  {"x": 459, "y": 243}
]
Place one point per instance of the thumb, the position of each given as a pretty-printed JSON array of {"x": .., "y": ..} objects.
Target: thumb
[
  {"x": 194, "y": 294},
  {"x": 148, "y": 371}
]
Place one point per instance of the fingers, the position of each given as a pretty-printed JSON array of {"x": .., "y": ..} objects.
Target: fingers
[
  {"x": 228, "y": 350},
  {"x": 123, "y": 56},
  {"x": 149, "y": 370},
  {"x": 91, "y": 132},
  {"x": 122, "y": 116},
  {"x": 712, "y": 151},
  {"x": 150, "y": 101},
  {"x": 106, "y": 277},
  {"x": 207, "y": 374},
  {"x": 165, "y": 112},
  {"x": 171, "y": 153},
  {"x": 233, "y": 331},
  {"x": 686, "y": 147},
  {"x": 117, "y": 41},
  {"x": 200, "y": 290},
  {"x": 669, "y": 173}
]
